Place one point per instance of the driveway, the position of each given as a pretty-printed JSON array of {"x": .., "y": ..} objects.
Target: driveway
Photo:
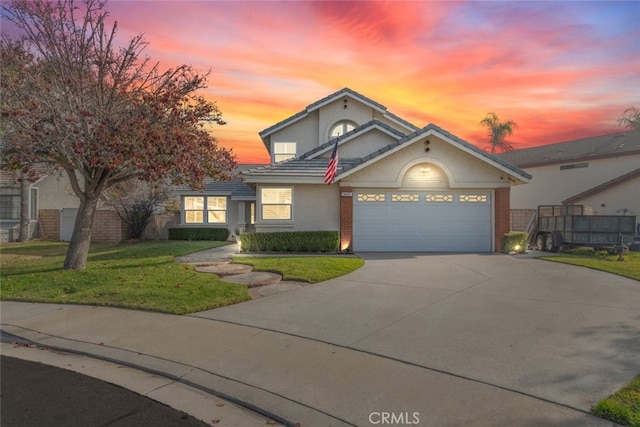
[{"x": 554, "y": 332}]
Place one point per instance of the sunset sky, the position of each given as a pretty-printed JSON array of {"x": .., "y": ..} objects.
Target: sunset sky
[{"x": 560, "y": 70}]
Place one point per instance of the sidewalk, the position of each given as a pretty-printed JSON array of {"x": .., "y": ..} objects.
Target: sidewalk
[{"x": 279, "y": 376}]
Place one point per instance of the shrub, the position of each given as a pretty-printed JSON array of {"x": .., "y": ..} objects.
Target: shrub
[
  {"x": 513, "y": 240},
  {"x": 291, "y": 241},
  {"x": 198, "y": 233}
]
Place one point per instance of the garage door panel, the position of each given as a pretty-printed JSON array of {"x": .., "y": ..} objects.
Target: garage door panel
[{"x": 423, "y": 222}]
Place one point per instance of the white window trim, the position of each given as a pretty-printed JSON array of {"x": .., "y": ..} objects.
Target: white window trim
[
  {"x": 259, "y": 210},
  {"x": 277, "y": 153},
  {"x": 205, "y": 212},
  {"x": 341, "y": 123}
]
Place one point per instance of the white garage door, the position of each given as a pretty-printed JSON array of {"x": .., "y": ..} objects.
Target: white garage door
[{"x": 412, "y": 221}]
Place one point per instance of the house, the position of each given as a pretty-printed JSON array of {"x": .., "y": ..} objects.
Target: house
[
  {"x": 398, "y": 187},
  {"x": 602, "y": 173},
  {"x": 49, "y": 194}
]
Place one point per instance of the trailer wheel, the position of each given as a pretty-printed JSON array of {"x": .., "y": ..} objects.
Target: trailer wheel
[
  {"x": 549, "y": 246},
  {"x": 540, "y": 241}
]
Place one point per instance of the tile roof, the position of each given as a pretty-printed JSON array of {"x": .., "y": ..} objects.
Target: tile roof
[
  {"x": 617, "y": 144},
  {"x": 238, "y": 190},
  {"x": 302, "y": 168}
]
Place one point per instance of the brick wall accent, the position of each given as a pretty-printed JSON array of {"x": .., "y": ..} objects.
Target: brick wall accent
[
  {"x": 108, "y": 227},
  {"x": 503, "y": 215},
  {"x": 520, "y": 218},
  {"x": 49, "y": 223},
  {"x": 346, "y": 219}
]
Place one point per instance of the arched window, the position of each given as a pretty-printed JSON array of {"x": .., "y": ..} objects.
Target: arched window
[{"x": 341, "y": 128}]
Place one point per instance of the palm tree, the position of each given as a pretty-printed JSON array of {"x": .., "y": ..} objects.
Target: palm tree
[{"x": 497, "y": 131}]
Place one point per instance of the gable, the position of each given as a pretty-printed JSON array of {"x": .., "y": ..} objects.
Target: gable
[
  {"x": 444, "y": 165},
  {"x": 311, "y": 127}
]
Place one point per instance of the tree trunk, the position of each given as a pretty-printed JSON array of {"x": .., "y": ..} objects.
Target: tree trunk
[
  {"x": 81, "y": 238},
  {"x": 25, "y": 218}
]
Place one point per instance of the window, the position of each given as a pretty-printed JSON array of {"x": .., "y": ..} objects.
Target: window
[
  {"x": 10, "y": 203},
  {"x": 371, "y": 197},
  {"x": 276, "y": 203},
  {"x": 194, "y": 210},
  {"x": 439, "y": 198},
  {"x": 283, "y": 151},
  {"x": 473, "y": 198},
  {"x": 405, "y": 197},
  {"x": 216, "y": 210},
  {"x": 34, "y": 204},
  {"x": 341, "y": 128}
]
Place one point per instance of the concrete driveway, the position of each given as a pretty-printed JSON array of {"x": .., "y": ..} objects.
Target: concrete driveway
[{"x": 554, "y": 332}]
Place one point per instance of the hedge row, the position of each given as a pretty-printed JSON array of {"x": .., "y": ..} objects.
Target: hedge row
[
  {"x": 197, "y": 233},
  {"x": 291, "y": 241}
]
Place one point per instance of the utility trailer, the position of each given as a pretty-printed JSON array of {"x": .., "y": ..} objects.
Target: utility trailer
[{"x": 567, "y": 225}]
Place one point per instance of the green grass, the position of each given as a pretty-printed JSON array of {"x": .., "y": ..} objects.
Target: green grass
[
  {"x": 140, "y": 276},
  {"x": 623, "y": 407},
  {"x": 310, "y": 269},
  {"x": 630, "y": 267}
]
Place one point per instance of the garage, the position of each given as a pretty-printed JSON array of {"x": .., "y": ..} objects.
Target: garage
[{"x": 427, "y": 221}]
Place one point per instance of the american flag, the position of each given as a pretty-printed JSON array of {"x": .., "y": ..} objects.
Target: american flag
[{"x": 332, "y": 167}]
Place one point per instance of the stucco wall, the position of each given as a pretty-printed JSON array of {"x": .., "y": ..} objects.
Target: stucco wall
[
  {"x": 315, "y": 208},
  {"x": 462, "y": 170},
  {"x": 363, "y": 145},
  {"x": 551, "y": 185},
  {"x": 54, "y": 192},
  {"x": 304, "y": 133},
  {"x": 614, "y": 200}
]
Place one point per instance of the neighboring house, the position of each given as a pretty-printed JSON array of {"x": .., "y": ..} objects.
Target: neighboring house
[
  {"x": 221, "y": 204},
  {"x": 50, "y": 193},
  {"x": 602, "y": 173},
  {"x": 398, "y": 187}
]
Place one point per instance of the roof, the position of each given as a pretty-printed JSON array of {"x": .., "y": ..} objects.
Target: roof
[
  {"x": 617, "y": 144},
  {"x": 238, "y": 190},
  {"x": 602, "y": 187},
  {"x": 310, "y": 169},
  {"x": 328, "y": 99}
]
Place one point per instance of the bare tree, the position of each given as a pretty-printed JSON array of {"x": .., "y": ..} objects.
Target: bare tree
[
  {"x": 630, "y": 118},
  {"x": 102, "y": 113}
]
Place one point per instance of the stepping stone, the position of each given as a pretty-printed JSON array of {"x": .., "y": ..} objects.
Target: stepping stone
[
  {"x": 254, "y": 278},
  {"x": 224, "y": 269}
]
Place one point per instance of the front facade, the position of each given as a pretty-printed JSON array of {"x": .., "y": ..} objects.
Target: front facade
[{"x": 398, "y": 187}]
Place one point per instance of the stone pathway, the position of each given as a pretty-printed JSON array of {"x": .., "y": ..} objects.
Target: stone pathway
[{"x": 260, "y": 283}]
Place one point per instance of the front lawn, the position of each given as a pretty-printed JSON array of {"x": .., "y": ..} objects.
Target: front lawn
[
  {"x": 312, "y": 269},
  {"x": 630, "y": 267},
  {"x": 140, "y": 276}
]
